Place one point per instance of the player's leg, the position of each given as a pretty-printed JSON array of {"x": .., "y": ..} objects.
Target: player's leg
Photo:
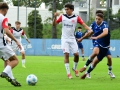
[
  {"x": 23, "y": 59},
  {"x": 82, "y": 51},
  {"x": 74, "y": 50},
  {"x": 22, "y": 51},
  {"x": 8, "y": 54},
  {"x": 65, "y": 48},
  {"x": 66, "y": 61},
  {"x": 109, "y": 63},
  {"x": 90, "y": 59},
  {"x": 92, "y": 66},
  {"x": 96, "y": 60}
]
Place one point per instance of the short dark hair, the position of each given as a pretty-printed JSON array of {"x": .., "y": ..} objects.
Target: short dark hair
[
  {"x": 99, "y": 11},
  {"x": 3, "y": 5},
  {"x": 9, "y": 24},
  {"x": 70, "y": 6},
  {"x": 79, "y": 27},
  {"x": 17, "y": 22},
  {"x": 100, "y": 15}
]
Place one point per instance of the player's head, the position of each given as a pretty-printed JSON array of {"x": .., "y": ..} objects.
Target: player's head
[
  {"x": 9, "y": 25},
  {"x": 99, "y": 18},
  {"x": 69, "y": 8},
  {"x": 79, "y": 28},
  {"x": 17, "y": 24},
  {"x": 99, "y": 11},
  {"x": 3, "y": 8}
]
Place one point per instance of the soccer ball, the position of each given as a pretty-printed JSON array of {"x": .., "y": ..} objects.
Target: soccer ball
[{"x": 31, "y": 79}]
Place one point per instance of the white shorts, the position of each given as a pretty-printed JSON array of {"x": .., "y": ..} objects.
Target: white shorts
[
  {"x": 6, "y": 52},
  {"x": 68, "y": 45},
  {"x": 15, "y": 48}
]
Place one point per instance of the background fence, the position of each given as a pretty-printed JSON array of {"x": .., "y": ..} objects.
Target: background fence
[{"x": 52, "y": 47}]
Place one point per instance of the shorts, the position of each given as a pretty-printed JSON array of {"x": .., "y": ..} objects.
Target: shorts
[
  {"x": 69, "y": 45},
  {"x": 103, "y": 52},
  {"x": 6, "y": 52},
  {"x": 80, "y": 45},
  {"x": 15, "y": 47},
  {"x": 108, "y": 53}
]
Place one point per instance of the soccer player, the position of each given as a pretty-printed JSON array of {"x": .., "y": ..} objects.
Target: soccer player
[
  {"x": 78, "y": 35},
  {"x": 17, "y": 33},
  {"x": 68, "y": 41},
  {"x": 101, "y": 42},
  {"x": 6, "y": 53},
  {"x": 108, "y": 55}
]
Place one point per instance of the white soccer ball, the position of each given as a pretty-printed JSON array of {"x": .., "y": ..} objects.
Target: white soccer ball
[{"x": 31, "y": 79}]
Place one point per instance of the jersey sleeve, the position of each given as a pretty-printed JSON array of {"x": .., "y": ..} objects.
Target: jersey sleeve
[
  {"x": 79, "y": 20},
  {"x": 24, "y": 35},
  {"x": 5, "y": 23},
  {"x": 59, "y": 19},
  {"x": 11, "y": 30},
  {"x": 23, "y": 32},
  {"x": 105, "y": 27}
]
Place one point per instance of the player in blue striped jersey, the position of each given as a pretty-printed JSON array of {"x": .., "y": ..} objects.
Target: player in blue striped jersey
[
  {"x": 101, "y": 41},
  {"x": 78, "y": 35}
]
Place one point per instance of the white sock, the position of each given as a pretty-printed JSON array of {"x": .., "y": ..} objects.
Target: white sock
[
  {"x": 110, "y": 68},
  {"x": 67, "y": 68},
  {"x": 11, "y": 75},
  {"x": 7, "y": 69},
  {"x": 23, "y": 61},
  {"x": 75, "y": 65}
]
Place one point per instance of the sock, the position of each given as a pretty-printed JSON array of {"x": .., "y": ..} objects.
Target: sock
[
  {"x": 11, "y": 75},
  {"x": 7, "y": 69},
  {"x": 67, "y": 68},
  {"x": 88, "y": 61},
  {"x": 75, "y": 65},
  {"x": 82, "y": 55},
  {"x": 110, "y": 68},
  {"x": 90, "y": 69},
  {"x": 23, "y": 61}
]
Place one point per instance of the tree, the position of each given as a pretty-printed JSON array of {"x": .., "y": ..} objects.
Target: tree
[
  {"x": 30, "y": 3},
  {"x": 39, "y": 25}
]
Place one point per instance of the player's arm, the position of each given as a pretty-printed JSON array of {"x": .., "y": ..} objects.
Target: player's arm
[
  {"x": 24, "y": 35},
  {"x": 55, "y": 20},
  {"x": 105, "y": 32},
  {"x": 89, "y": 30},
  {"x": 9, "y": 34},
  {"x": 5, "y": 36}
]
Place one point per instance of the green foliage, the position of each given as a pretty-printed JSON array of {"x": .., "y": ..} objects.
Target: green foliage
[
  {"x": 117, "y": 15},
  {"x": 39, "y": 25},
  {"x": 59, "y": 6},
  {"x": 47, "y": 30},
  {"x": 115, "y": 34},
  {"x": 30, "y": 3}
]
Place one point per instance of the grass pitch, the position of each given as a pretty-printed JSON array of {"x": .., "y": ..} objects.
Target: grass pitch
[{"x": 51, "y": 74}]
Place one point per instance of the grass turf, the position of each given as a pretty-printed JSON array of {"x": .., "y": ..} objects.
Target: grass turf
[{"x": 51, "y": 74}]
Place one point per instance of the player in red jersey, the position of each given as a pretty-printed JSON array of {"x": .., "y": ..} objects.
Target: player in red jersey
[
  {"x": 6, "y": 53},
  {"x": 17, "y": 33},
  {"x": 68, "y": 41}
]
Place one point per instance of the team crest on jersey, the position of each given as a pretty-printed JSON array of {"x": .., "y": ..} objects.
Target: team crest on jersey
[{"x": 73, "y": 21}]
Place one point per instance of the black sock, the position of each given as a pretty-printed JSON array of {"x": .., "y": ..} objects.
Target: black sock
[
  {"x": 88, "y": 62},
  {"x": 90, "y": 69}
]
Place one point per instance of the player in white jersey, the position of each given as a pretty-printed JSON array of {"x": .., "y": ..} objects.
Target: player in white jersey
[
  {"x": 17, "y": 33},
  {"x": 68, "y": 41},
  {"x": 6, "y": 53}
]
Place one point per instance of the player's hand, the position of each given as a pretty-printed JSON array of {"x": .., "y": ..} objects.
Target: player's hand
[
  {"x": 56, "y": 14},
  {"x": 28, "y": 41},
  {"x": 95, "y": 38},
  {"x": 79, "y": 40},
  {"x": 18, "y": 44}
]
